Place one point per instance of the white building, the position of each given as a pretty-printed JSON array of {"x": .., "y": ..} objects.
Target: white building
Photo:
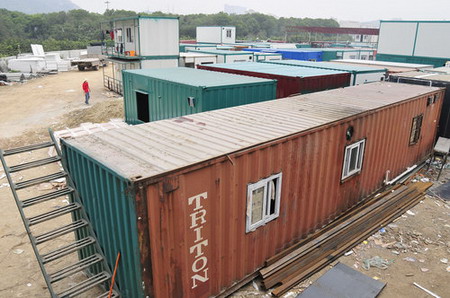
[
  {"x": 216, "y": 34},
  {"x": 140, "y": 42},
  {"x": 425, "y": 42}
]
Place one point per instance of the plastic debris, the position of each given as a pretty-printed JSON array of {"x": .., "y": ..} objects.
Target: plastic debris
[
  {"x": 410, "y": 212},
  {"x": 365, "y": 242},
  {"x": 382, "y": 230},
  {"x": 424, "y": 269},
  {"x": 426, "y": 290},
  {"x": 2, "y": 176},
  {"x": 377, "y": 262},
  {"x": 425, "y": 179},
  {"x": 376, "y": 277},
  {"x": 348, "y": 253},
  {"x": 448, "y": 269},
  {"x": 445, "y": 261},
  {"x": 409, "y": 259},
  {"x": 395, "y": 252},
  {"x": 29, "y": 284},
  {"x": 18, "y": 251}
]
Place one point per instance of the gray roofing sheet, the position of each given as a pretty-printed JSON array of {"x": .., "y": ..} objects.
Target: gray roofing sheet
[{"x": 158, "y": 147}]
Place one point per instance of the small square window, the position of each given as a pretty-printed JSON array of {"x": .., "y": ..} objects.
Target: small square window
[
  {"x": 263, "y": 201},
  {"x": 353, "y": 159},
  {"x": 415, "y": 129}
]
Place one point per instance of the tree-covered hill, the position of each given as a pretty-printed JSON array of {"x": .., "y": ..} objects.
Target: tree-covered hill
[{"x": 77, "y": 28}]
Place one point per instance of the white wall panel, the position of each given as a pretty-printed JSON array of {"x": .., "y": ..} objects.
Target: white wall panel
[
  {"x": 159, "y": 37},
  {"x": 397, "y": 38},
  {"x": 433, "y": 40},
  {"x": 209, "y": 34}
]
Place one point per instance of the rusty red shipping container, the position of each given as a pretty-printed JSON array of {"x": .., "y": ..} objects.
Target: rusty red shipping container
[
  {"x": 291, "y": 80},
  {"x": 196, "y": 204}
]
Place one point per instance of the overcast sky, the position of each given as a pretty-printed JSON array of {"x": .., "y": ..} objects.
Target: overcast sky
[{"x": 356, "y": 10}]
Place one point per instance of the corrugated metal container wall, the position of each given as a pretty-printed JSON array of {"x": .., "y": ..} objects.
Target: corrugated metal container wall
[
  {"x": 300, "y": 54},
  {"x": 108, "y": 198},
  {"x": 167, "y": 92},
  {"x": 191, "y": 205},
  {"x": 291, "y": 79},
  {"x": 435, "y": 80},
  {"x": 359, "y": 74}
]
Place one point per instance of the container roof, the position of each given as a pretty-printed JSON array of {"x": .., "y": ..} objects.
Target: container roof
[
  {"x": 386, "y": 63},
  {"x": 196, "y": 77},
  {"x": 425, "y": 75},
  {"x": 155, "y": 148},
  {"x": 221, "y": 52},
  {"x": 192, "y": 54},
  {"x": 329, "y": 65},
  {"x": 277, "y": 69}
]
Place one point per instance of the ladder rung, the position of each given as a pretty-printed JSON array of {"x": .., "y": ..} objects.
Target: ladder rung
[
  {"x": 68, "y": 249},
  {"x": 54, "y": 213},
  {"x": 86, "y": 285},
  {"x": 39, "y": 180},
  {"x": 106, "y": 295},
  {"x": 74, "y": 268},
  {"x": 27, "y": 148},
  {"x": 61, "y": 231},
  {"x": 46, "y": 197},
  {"x": 34, "y": 164}
]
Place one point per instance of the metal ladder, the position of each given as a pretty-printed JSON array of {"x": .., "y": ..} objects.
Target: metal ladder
[{"x": 94, "y": 259}]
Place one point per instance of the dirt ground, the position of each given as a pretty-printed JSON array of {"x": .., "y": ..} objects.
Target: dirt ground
[
  {"x": 416, "y": 245},
  {"x": 28, "y": 110}
]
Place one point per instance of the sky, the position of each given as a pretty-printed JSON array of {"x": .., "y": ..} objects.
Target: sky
[{"x": 354, "y": 10}]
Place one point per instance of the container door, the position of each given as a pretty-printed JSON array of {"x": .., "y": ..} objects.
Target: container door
[{"x": 142, "y": 106}]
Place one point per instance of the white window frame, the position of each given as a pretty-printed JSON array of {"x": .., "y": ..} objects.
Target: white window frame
[
  {"x": 228, "y": 33},
  {"x": 266, "y": 217},
  {"x": 346, "y": 173},
  {"x": 129, "y": 34}
]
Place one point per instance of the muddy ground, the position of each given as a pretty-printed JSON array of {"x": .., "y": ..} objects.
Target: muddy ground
[{"x": 417, "y": 244}]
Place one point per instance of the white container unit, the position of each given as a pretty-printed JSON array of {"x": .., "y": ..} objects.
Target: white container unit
[
  {"x": 216, "y": 34},
  {"x": 415, "y": 38},
  {"x": 192, "y": 59},
  {"x": 225, "y": 56},
  {"x": 260, "y": 56}
]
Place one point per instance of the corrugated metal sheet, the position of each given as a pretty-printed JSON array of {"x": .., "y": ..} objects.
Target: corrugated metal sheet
[
  {"x": 329, "y": 65},
  {"x": 215, "y": 155},
  {"x": 291, "y": 79},
  {"x": 199, "y": 137},
  {"x": 168, "y": 91},
  {"x": 359, "y": 74},
  {"x": 109, "y": 200}
]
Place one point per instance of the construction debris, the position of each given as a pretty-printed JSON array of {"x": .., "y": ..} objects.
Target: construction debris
[{"x": 300, "y": 261}]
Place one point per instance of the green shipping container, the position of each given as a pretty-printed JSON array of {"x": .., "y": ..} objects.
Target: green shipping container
[
  {"x": 156, "y": 94},
  {"x": 436, "y": 62}
]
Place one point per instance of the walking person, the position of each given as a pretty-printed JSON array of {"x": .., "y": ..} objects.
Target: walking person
[{"x": 86, "y": 90}]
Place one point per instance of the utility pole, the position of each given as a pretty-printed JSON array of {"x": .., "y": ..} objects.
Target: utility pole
[{"x": 107, "y": 4}]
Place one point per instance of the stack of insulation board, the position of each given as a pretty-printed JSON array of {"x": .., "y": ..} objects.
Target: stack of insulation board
[
  {"x": 291, "y": 79},
  {"x": 392, "y": 67},
  {"x": 174, "y": 196},
  {"x": 155, "y": 94},
  {"x": 360, "y": 74}
]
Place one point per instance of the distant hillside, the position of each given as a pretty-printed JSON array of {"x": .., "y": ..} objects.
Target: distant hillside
[{"x": 38, "y": 6}]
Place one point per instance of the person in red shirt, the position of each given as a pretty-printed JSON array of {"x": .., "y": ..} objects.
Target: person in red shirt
[{"x": 86, "y": 91}]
